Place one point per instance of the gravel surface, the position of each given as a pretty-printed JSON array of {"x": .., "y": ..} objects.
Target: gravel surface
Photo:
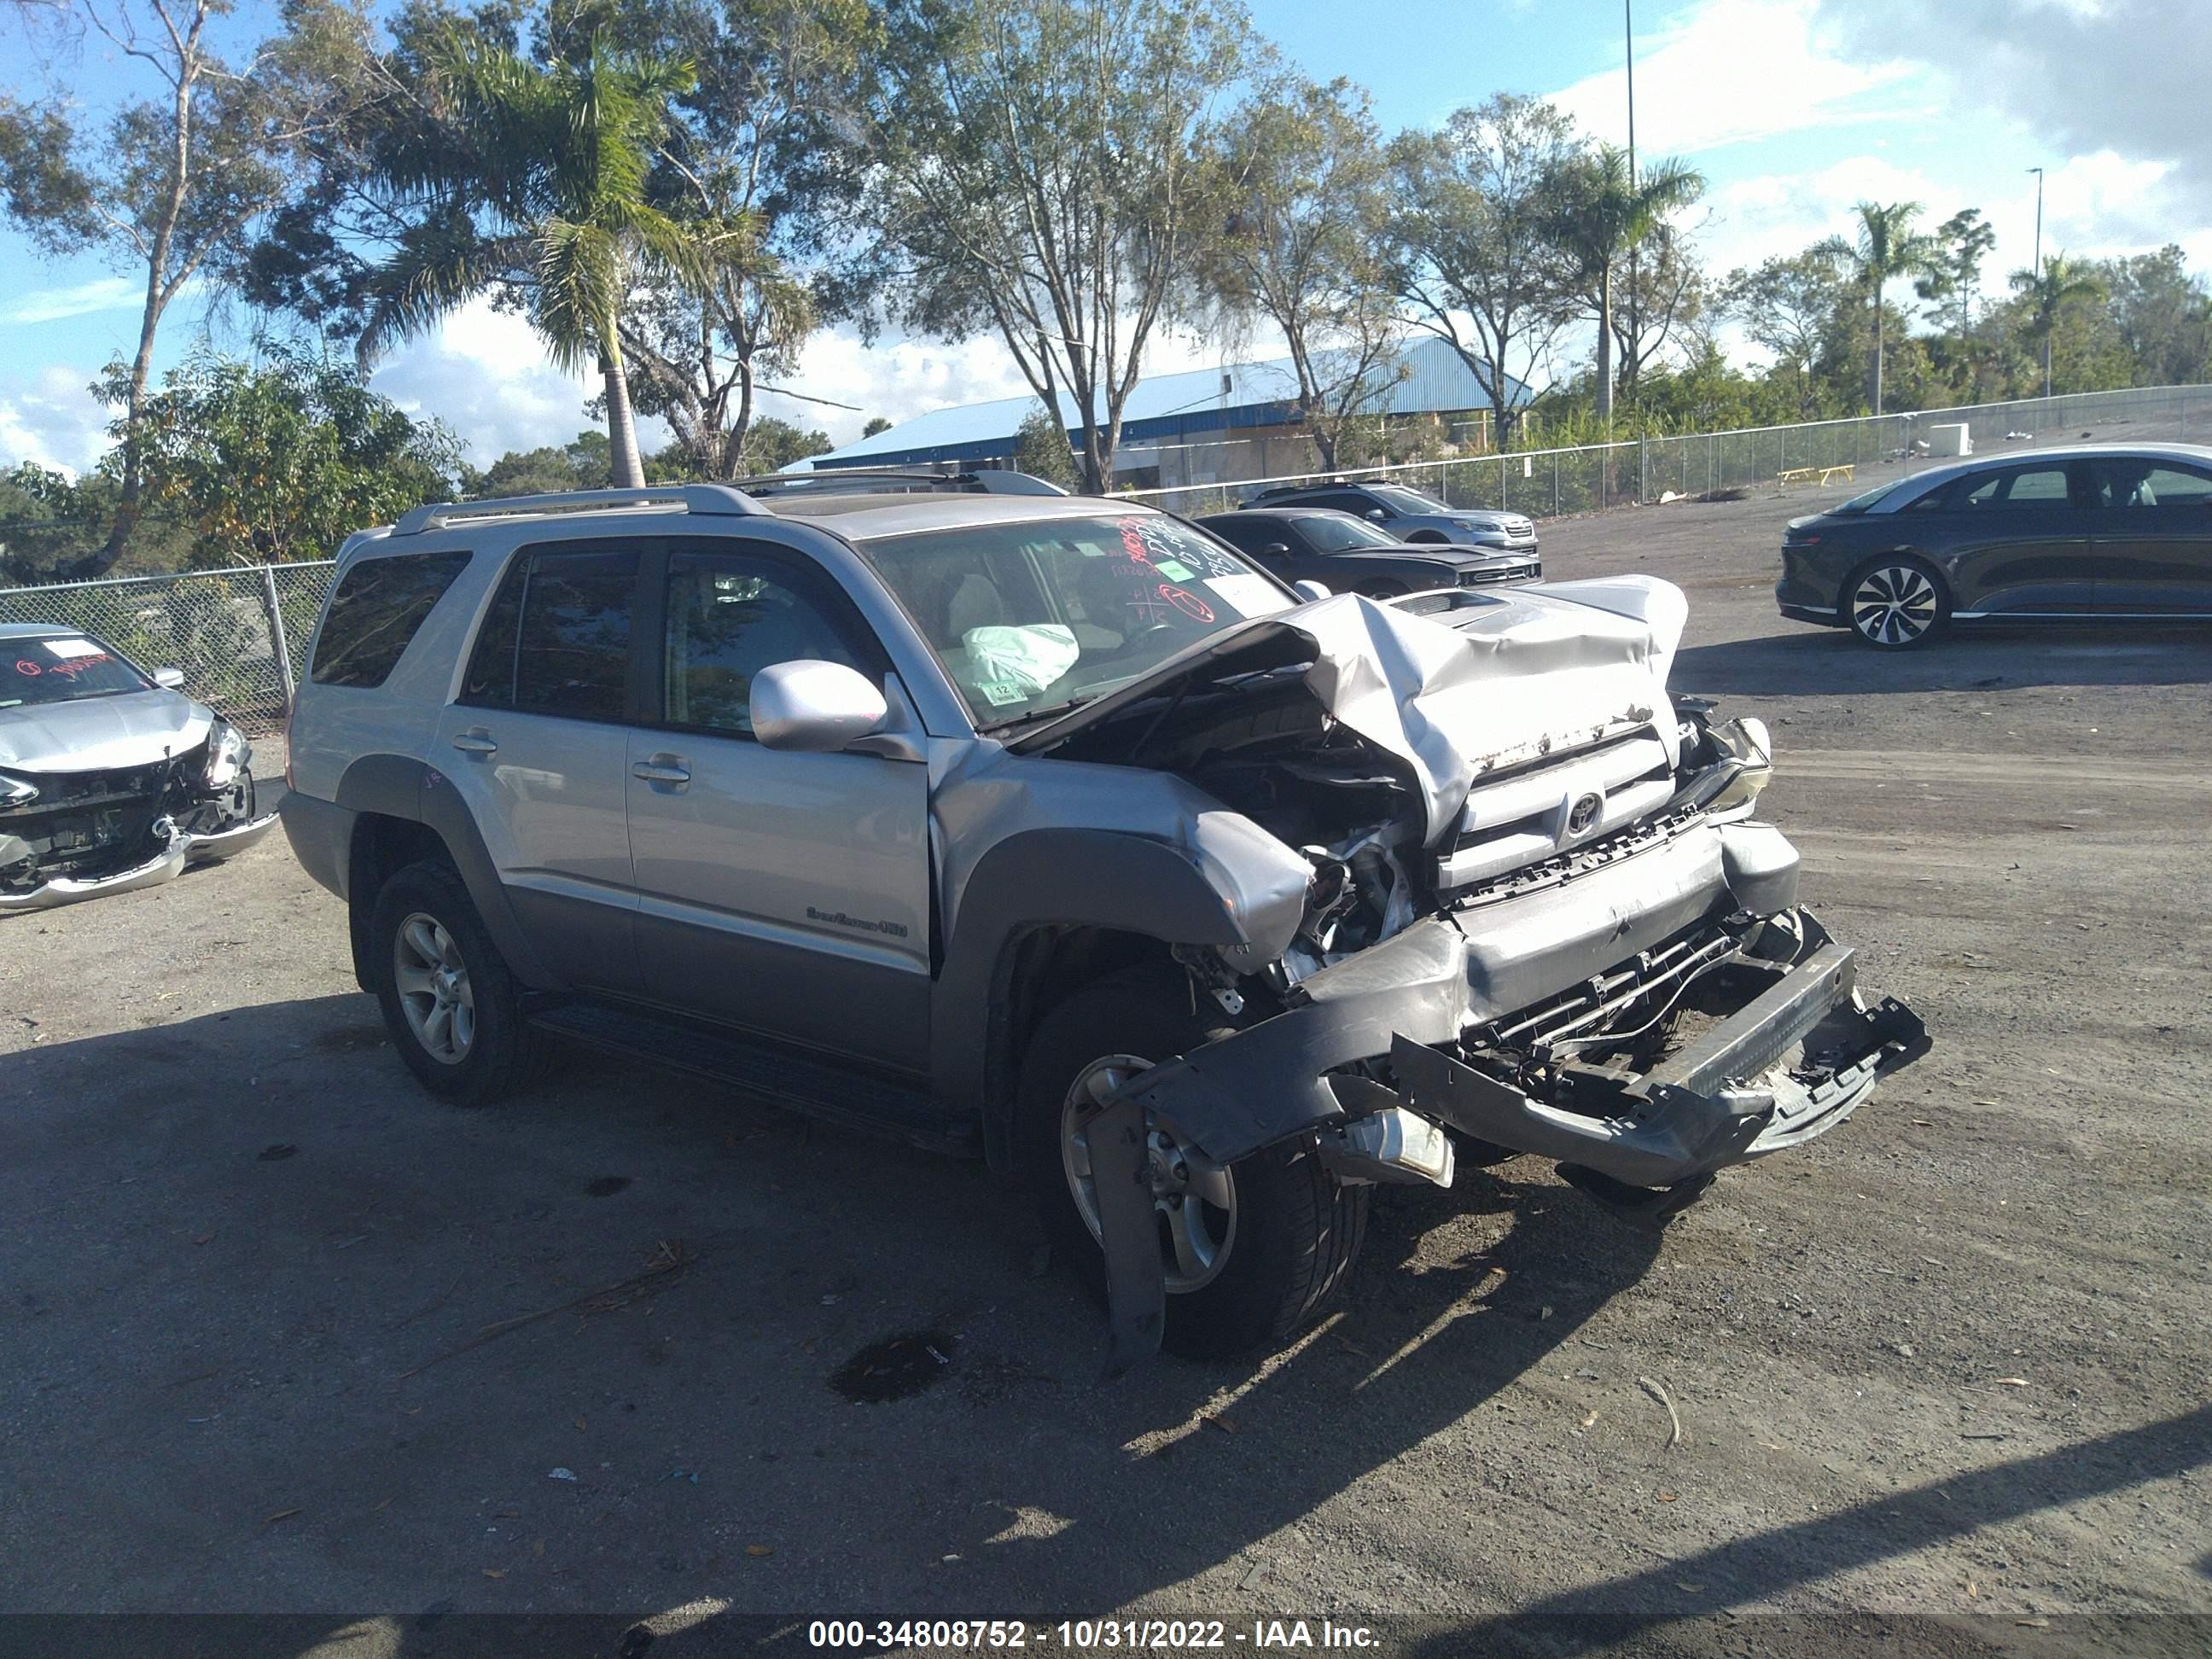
[{"x": 1952, "y": 1358}]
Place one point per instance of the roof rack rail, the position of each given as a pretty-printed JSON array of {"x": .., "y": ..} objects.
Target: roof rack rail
[
  {"x": 706, "y": 500},
  {"x": 895, "y": 480}
]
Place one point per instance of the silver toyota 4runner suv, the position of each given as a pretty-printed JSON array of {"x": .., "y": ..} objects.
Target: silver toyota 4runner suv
[{"x": 1050, "y": 829}]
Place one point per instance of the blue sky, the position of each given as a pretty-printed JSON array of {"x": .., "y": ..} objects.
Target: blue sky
[{"x": 1794, "y": 109}]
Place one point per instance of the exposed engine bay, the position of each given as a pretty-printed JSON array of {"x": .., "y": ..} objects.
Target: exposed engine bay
[{"x": 69, "y": 835}]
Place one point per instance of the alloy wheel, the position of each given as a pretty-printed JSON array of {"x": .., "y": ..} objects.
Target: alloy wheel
[
  {"x": 1894, "y": 604},
  {"x": 433, "y": 982},
  {"x": 1195, "y": 1198}
]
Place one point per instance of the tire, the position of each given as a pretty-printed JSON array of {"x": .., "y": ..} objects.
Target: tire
[
  {"x": 1292, "y": 1228},
  {"x": 1895, "y": 602},
  {"x": 491, "y": 1052}
]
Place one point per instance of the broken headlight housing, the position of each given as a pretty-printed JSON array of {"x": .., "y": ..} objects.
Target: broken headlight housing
[
  {"x": 16, "y": 792},
  {"x": 1746, "y": 740},
  {"x": 227, "y": 755}
]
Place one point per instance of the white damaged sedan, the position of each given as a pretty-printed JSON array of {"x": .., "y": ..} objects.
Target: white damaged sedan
[{"x": 110, "y": 777}]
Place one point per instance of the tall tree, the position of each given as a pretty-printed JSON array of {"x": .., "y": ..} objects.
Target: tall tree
[
  {"x": 1051, "y": 168},
  {"x": 1470, "y": 244},
  {"x": 2051, "y": 292},
  {"x": 2164, "y": 316},
  {"x": 1788, "y": 307},
  {"x": 168, "y": 186},
  {"x": 532, "y": 183},
  {"x": 1886, "y": 247},
  {"x": 768, "y": 148},
  {"x": 1601, "y": 215},
  {"x": 1962, "y": 242},
  {"x": 1300, "y": 248}
]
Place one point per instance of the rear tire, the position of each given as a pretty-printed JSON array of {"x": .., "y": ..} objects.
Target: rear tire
[
  {"x": 452, "y": 1006},
  {"x": 1896, "y": 602},
  {"x": 1291, "y": 1230}
]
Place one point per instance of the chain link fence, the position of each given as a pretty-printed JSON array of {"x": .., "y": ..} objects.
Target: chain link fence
[
  {"x": 240, "y": 635},
  {"x": 237, "y": 635},
  {"x": 1549, "y": 482}
]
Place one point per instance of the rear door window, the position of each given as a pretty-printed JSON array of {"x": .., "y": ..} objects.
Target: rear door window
[
  {"x": 2026, "y": 486},
  {"x": 379, "y": 605},
  {"x": 556, "y": 638}
]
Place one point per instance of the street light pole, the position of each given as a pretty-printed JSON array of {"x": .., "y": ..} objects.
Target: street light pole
[
  {"x": 1628, "y": 42},
  {"x": 2036, "y": 271}
]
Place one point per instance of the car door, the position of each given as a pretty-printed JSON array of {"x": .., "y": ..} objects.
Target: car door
[
  {"x": 2016, "y": 540},
  {"x": 536, "y": 747},
  {"x": 787, "y": 893},
  {"x": 2152, "y": 541}
]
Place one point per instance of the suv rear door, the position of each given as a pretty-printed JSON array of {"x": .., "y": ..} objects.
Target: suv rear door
[
  {"x": 536, "y": 748},
  {"x": 780, "y": 891}
]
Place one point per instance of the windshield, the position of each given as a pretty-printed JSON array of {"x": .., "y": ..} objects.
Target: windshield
[
  {"x": 1406, "y": 501},
  {"x": 1334, "y": 533},
  {"x": 63, "y": 669},
  {"x": 1028, "y": 618}
]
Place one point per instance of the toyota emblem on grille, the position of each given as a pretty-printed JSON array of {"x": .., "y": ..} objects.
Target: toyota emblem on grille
[{"x": 1583, "y": 813}]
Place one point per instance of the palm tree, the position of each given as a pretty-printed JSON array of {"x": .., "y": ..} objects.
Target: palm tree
[
  {"x": 534, "y": 183},
  {"x": 1606, "y": 213},
  {"x": 1888, "y": 247},
  {"x": 2061, "y": 282}
]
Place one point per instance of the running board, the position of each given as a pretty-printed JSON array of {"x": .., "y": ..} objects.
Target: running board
[{"x": 767, "y": 1074}]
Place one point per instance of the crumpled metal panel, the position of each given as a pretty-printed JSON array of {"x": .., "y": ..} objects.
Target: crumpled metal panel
[
  {"x": 1538, "y": 668},
  {"x": 100, "y": 734}
]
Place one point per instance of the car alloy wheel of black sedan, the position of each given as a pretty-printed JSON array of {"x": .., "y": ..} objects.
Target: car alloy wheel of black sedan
[{"x": 1896, "y": 605}]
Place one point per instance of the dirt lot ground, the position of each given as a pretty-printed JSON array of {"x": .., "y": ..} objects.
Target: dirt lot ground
[{"x": 1954, "y": 1359}]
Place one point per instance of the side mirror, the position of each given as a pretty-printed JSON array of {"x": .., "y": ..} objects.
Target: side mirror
[
  {"x": 169, "y": 680},
  {"x": 1375, "y": 515},
  {"x": 813, "y": 707},
  {"x": 1275, "y": 551},
  {"x": 1311, "y": 590}
]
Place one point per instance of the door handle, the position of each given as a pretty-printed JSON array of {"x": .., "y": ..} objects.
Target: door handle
[
  {"x": 475, "y": 741},
  {"x": 661, "y": 768}
]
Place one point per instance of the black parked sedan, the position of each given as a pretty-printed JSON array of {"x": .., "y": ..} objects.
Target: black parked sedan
[
  {"x": 1349, "y": 556},
  {"x": 2097, "y": 533}
]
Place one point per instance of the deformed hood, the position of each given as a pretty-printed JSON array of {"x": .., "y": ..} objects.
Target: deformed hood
[
  {"x": 93, "y": 734},
  {"x": 1502, "y": 677}
]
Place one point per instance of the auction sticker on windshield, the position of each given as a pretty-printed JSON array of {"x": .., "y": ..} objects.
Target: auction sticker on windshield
[
  {"x": 1249, "y": 596},
  {"x": 67, "y": 648}
]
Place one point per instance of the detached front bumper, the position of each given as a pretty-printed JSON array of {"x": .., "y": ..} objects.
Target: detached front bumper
[
  {"x": 1395, "y": 1027},
  {"x": 183, "y": 847},
  {"x": 1732, "y": 1095}
]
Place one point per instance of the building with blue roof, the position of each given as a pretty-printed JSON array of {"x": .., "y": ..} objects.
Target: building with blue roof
[{"x": 1202, "y": 426}]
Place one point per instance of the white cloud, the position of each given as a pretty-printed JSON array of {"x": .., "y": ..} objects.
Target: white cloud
[
  {"x": 485, "y": 373},
  {"x": 895, "y": 379},
  {"x": 1731, "y": 71},
  {"x": 2081, "y": 75},
  {"x": 1781, "y": 213},
  {"x": 49, "y": 305},
  {"x": 52, "y": 419}
]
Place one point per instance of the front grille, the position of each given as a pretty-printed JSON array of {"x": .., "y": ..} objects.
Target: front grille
[{"x": 1538, "y": 812}]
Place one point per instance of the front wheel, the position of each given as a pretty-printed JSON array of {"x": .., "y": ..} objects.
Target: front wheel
[
  {"x": 453, "y": 1011},
  {"x": 1896, "y": 602},
  {"x": 1251, "y": 1251}
]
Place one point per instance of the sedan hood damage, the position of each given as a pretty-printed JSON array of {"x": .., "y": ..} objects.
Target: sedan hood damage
[
  {"x": 1488, "y": 680},
  {"x": 98, "y": 734}
]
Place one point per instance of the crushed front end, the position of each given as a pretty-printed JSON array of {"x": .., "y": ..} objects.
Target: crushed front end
[
  {"x": 1541, "y": 917},
  {"x": 72, "y": 835}
]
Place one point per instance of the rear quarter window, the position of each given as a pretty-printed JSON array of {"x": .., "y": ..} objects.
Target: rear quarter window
[{"x": 379, "y": 605}]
